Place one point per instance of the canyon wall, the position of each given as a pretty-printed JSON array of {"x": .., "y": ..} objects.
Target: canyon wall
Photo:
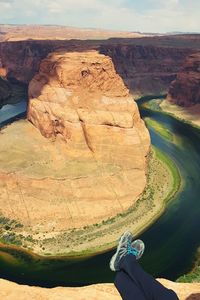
[
  {"x": 146, "y": 69},
  {"x": 21, "y": 60},
  {"x": 147, "y": 65},
  {"x": 185, "y": 89},
  {"x": 5, "y": 91}
]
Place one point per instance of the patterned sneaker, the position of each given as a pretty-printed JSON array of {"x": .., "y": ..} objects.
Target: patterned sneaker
[
  {"x": 136, "y": 248},
  {"x": 122, "y": 250}
]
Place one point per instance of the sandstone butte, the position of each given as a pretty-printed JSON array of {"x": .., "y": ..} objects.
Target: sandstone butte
[
  {"x": 185, "y": 89},
  {"x": 93, "y": 141},
  {"x": 13, "y": 291},
  {"x": 79, "y": 98}
]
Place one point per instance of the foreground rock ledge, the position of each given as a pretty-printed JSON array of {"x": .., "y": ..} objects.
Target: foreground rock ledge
[{"x": 13, "y": 291}]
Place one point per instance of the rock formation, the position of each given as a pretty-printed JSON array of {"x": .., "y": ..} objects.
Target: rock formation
[
  {"x": 185, "y": 89},
  {"x": 147, "y": 65},
  {"x": 146, "y": 69},
  {"x": 82, "y": 88},
  {"x": 89, "y": 164},
  {"x": 9, "y": 291},
  {"x": 79, "y": 97}
]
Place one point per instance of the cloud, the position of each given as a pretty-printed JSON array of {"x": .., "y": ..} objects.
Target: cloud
[{"x": 133, "y": 15}]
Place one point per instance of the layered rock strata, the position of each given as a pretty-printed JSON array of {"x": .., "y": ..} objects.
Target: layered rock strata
[
  {"x": 185, "y": 89},
  {"x": 146, "y": 69},
  {"x": 80, "y": 98},
  {"x": 147, "y": 65}
]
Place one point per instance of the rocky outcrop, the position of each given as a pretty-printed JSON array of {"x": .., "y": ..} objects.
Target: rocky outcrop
[
  {"x": 185, "y": 89},
  {"x": 79, "y": 98},
  {"x": 89, "y": 162},
  {"x": 146, "y": 69},
  {"x": 81, "y": 88},
  {"x": 9, "y": 291}
]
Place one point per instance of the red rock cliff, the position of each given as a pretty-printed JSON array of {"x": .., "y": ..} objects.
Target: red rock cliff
[
  {"x": 185, "y": 89},
  {"x": 146, "y": 69}
]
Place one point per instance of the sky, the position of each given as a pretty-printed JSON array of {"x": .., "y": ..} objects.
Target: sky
[{"x": 129, "y": 15}]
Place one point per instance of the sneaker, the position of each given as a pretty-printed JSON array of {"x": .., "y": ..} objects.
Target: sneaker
[
  {"x": 122, "y": 250},
  {"x": 136, "y": 248}
]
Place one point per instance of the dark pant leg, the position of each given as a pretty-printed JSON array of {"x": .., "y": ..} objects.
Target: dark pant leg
[
  {"x": 152, "y": 289},
  {"x": 127, "y": 287}
]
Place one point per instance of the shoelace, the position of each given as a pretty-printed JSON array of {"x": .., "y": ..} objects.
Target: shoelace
[{"x": 130, "y": 250}]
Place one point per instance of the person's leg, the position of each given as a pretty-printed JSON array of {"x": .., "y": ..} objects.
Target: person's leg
[
  {"x": 127, "y": 287},
  {"x": 151, "y": 288}
]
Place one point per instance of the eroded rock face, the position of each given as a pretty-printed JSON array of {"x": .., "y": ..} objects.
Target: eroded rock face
[
  {"x": 146, "y": 69},
  {"x": 185, "y": 89},
  {"x": 80, "y": 96}
]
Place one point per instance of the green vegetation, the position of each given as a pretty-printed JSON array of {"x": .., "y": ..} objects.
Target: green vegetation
[
  {"x": 150, "y": 97},
  {"x": 159, "y": 128},
  {"x": 174, "y": 171},
  {"x": 7, "y": 231},
  {"x": 153, "y": 104},
  {"x": 163, "y": 181},
  {"x": 194, "y": 275},
  {"x": 154, "y": 199}
]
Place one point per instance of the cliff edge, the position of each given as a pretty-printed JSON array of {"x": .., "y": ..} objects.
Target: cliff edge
[
  {"x": 11, "y": 291},
  {"x": 185, "y": 89}
]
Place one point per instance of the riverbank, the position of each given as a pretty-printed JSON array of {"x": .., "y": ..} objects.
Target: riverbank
[
  {"x": 159, "y": 128},
  {"x": 190, "y": 115},
  {"x": 187, "y": 115},
  {"x": 194, "y": 274},
  {"x": 163, "y": 182}
]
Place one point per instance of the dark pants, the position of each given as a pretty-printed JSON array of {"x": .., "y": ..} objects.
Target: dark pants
[{"x": 133, "y": 283}]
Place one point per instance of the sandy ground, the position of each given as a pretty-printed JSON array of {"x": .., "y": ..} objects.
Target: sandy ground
[
  {"x": 188, "y": 114},
  {"x": 13, "y": 291}
]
